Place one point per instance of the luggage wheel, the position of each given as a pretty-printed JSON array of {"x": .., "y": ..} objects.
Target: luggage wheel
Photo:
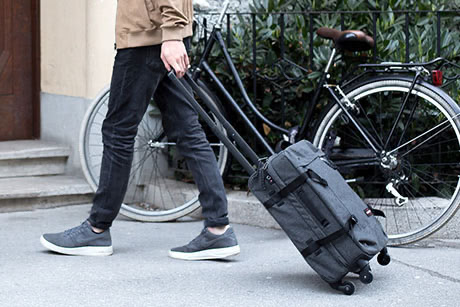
[
  {"x": 383, "y": 258},
  {"x": 364, "y": 271},
  {"x": 365, "y": 275},
  {"x": 347, "y": 287}
]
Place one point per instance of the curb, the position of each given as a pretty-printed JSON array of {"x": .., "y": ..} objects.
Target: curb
[{"x": 244, "y": 208}]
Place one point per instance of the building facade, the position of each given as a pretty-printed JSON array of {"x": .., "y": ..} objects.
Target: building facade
[{"x": 55, "y": 57}]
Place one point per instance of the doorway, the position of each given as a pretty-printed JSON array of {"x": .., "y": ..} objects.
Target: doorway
[{"x": 19, "y": 69}]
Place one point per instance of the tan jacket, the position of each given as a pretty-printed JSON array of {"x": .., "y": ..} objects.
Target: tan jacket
[{"x": 151, "y": 22}]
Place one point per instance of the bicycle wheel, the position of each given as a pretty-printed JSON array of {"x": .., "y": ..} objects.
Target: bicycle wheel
[
  {"x": 413, "y": 176},
  {"x": 161, "y": 187}
]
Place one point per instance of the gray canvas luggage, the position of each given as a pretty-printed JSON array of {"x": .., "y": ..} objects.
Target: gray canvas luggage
[
  {"x": 334, "y": 230},
  {"x": 329, "y": 224}
]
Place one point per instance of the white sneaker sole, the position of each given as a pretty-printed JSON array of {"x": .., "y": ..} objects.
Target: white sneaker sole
[
  {"x": 217, "y": 253},
  {"x": 78, "y": 251}
]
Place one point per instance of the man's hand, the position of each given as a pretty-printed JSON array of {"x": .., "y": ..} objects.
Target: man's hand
[{"x": 173, "y": 54}]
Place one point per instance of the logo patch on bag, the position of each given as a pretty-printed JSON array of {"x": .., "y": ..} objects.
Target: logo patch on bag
[{"x": 368, "y": 212}]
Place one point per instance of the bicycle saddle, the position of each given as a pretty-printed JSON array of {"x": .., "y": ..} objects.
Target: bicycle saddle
[{"x": 350, "y": 40}]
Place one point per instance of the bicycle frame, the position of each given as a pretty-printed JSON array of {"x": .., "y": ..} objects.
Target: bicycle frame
[
  {"x": 341, "y": 99},
  {"x": 216, "y": 37}
]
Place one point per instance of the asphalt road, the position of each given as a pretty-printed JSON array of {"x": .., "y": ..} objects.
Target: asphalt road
[{"x": 268, "y": 272}]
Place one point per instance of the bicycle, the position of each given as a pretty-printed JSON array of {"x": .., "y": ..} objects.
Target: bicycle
[{"x": 394, "y": 136}]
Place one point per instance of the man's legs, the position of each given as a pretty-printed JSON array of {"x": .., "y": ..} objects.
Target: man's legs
[{"x": 136, "y": 73}]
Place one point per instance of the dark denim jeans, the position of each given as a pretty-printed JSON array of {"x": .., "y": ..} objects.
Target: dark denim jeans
[{"x": 138, "y": 74}]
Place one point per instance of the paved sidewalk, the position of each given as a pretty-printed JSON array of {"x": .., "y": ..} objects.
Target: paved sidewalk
[{"x": 268, "y": 272}]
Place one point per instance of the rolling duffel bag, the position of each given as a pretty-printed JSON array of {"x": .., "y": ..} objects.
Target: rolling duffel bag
[{"x": 334, "y": 230}]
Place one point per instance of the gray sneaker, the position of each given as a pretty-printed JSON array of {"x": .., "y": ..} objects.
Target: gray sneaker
[
  {"x": 80, "y": 240},
  {"x": 208, "y": 246}
]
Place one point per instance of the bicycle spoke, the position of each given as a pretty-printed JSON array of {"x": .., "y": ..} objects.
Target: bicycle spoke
[
  {"x": 444, "y": 174},
  {"x": 434, "y": 188},
  {"x": 157, "y": 175},
  {"x": 379, "y": 138},
  {"x": 163, "y": 178},
  {"x": 423, "y": 134},
  {"x": 433, "y": 204},
  {"x": 441, "y": 152},
  {"x": 413, "y": 207},
  {"x": 411, "y": 116},
  {"x": 395, "y": 220},
  {"x": 443, "y": 142},
  {"x": 148, "y": 186},
  {"x": 429, "y": 175},
  {"x": 401, "y": 110},
  {"x": 139, "y": 164},
  {"x": 160, "y": 190},
  {"x": 417, "y": 146},
  {"x": 356, "y": 137}
]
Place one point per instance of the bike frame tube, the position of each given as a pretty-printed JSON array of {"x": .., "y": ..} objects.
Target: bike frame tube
[
  {"x": 372, "y": 142},
  {"x": 240, "y": 85},
  {"x": 216, "y": 37},
  {"x": 210, "y": 43},
  {"x": 204, "y": 57},
  {"x": 235, "y": 105},
  {"x": 309, "y": 111},
  {"x": 228, "y": 127}
]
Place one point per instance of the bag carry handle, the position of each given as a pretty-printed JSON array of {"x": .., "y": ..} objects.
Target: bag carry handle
[
  {"x": 293, "y": 185},
  {"x": 299, "y": 180},
  {"x": 316, "y": 178}
]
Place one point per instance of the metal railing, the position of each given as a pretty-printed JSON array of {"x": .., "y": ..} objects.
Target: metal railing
[
  {"x": 342, "y": 19},
  {"x": 310, "y": 15}
]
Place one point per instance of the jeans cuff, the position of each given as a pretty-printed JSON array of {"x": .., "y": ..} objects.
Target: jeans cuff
[
  {"x": 219, "y": 222},
  {"x": 103, "y": 226}
]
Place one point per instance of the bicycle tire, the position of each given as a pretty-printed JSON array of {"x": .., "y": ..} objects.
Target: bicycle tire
[
  {"x": 164, "y": 196},
  {"x": 427, "y": 167}
]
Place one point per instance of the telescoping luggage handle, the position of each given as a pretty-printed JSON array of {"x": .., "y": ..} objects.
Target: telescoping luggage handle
[{"x": 213, "y": 126}]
